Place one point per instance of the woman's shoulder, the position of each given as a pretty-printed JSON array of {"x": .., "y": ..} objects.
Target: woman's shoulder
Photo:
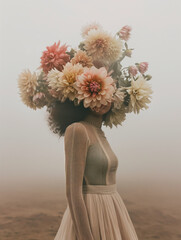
[{"x": 76, "y": 128}]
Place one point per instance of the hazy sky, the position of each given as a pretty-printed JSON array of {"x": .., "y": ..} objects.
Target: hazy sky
[{"x": 148, "y": 145}]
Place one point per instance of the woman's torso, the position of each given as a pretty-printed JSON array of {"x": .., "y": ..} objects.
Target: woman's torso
[{"x": 101, "y": 161}]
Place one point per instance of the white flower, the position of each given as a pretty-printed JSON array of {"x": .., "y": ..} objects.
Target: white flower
[
  {"x": 27, "y": 82},
  {"x": 118, "y": 98},
  {"x": 140, "y": 92},
  {"x": 102, "y": 47}
]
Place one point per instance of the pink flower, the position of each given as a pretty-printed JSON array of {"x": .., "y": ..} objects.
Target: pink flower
[
  {"x": 39, "y": 99},
  {"x": 54, "y": 57},
  {"x": 53, "y": 93},
  {"x": 124, "y": 33},
  {"x": 142, "y": 67},
  {"x": 87, "y": 28},
  {"x": 133, "y": 70},
  {"x": 95, "y": 87}
]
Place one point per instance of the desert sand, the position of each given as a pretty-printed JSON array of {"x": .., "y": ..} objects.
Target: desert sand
[{"x": 35, "y": 212}]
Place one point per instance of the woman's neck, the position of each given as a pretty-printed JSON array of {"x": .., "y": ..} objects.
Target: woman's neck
[{"x": 94, "y": 119}]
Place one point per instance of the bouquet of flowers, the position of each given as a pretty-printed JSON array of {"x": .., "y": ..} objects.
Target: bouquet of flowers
[{"x": 92, "y": 73}]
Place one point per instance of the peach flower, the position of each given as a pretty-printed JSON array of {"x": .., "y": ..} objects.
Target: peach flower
[
  {"x": 54, "y": 57},
  {"x": 62, "y": 83},
  {"x": 82, "y": 58},
  {"x": 95, "y": 87}
]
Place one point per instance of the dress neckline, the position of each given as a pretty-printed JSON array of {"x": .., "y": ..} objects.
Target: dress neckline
[{"x": 93, "y": 119}]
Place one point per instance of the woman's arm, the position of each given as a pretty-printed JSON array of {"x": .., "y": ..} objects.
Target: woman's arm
[{"x": 76, "y": 144}]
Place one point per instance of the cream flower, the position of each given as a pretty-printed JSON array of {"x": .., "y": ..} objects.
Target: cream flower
[
  {"x": 94, "y": 87},
  {"x": 28, "y": 101},
  {"x": 27, "y": 82},
  {"x": 102, "y": 47},
  {"x": 54, "y": 78},
  {"x": 63, "y": 82},
  {"x": 82, "y": 58},
  {"x": 140, "y": 92},
  {"x": 115, "y": 117},
  {"x": 118, "y": 98}
]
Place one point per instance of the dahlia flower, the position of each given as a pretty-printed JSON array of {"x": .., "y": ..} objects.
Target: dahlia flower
[
  {"x": 94, "y": 87},
  {"x": 54, "y": 57},
  {"x": 142, "y": 67},
  {"x": 63, "y": 82},
  {"x": 28, "y": 101},
  {"x": 54, "y": 78},
  {"x": 27, "y": 82},
  {"x": 82, "y": 58},
  {"x": 87, "y": 28},
  {"x": 140, "y": 92},
  {"x": 124, "y": 33},
  {"x": 115, "y": 117},
  {"x": 118, "y": 98},
  {"x": 102, "y": 47}
]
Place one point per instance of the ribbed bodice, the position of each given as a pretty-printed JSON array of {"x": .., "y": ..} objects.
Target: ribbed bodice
[{"x": 101, "y": 161}]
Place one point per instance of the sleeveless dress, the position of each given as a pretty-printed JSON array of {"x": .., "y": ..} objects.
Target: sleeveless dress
[{"x": 95, "y": 210}]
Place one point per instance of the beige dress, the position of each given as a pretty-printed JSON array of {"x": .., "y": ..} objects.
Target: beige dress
[{"x": 95, "y": 210}]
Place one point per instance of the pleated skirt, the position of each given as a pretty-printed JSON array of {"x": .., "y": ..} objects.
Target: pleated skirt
[{"x": 108, "y": 216}]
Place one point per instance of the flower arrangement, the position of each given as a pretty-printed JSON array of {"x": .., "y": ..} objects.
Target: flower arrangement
[{"x": 92, "y": 73}]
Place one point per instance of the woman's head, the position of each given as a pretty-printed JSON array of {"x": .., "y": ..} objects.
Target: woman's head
[
  {"x": 62, "y": 114},
  {"x": 102, "y": 110}
]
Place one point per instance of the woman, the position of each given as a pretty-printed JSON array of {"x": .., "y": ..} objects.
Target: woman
[
  {"x": 95, "y": 210},
  {"x": 93, "y": 77}
]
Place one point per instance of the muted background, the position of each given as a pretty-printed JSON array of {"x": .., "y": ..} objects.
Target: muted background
[{"x": 148, "y": 145}]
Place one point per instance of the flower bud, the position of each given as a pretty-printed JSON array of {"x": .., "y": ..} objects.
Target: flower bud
[
  {"x": 124, "y": 33},
  {"x": 148, "y": 77},
  {"x": 133, "y": 70},
  {"x": 143, "y": 67},
  {"x": 128, "y": 52}
]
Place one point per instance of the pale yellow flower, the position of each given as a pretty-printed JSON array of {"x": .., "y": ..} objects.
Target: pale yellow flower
[
  {"x": 102, "y": 47},
  {"x": 27, "y": 82},
  {"x": 28, "y": 100},
  {"x": 140, "y": 94},
  {"x": 63, "y": 82}
]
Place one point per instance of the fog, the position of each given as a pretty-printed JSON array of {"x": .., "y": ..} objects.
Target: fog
[{"x": 147, "y": 145}]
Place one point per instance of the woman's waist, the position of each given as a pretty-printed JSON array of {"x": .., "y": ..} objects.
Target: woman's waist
[{"x": 99, "y": 189}]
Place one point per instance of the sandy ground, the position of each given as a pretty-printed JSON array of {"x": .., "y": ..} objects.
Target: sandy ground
[{"x": 35, "y": 213}]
